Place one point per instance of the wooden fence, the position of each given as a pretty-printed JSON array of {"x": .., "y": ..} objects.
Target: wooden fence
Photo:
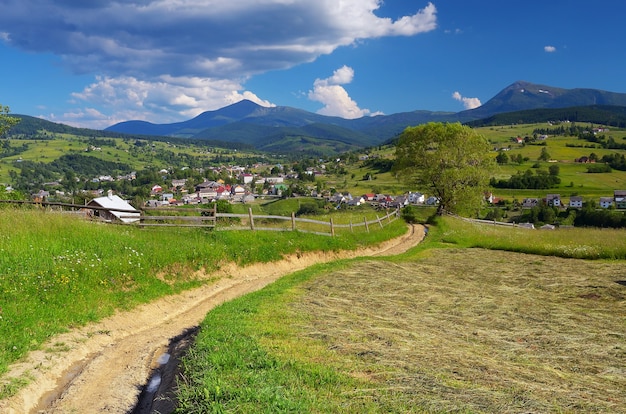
[
  {"x": 296, "y": 223},
  {"x": 209, "y": 218}
]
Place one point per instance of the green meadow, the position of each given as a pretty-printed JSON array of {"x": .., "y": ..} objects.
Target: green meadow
[
  {"x": 575, "y": 178},
  {"x": 60, "y": 271}
]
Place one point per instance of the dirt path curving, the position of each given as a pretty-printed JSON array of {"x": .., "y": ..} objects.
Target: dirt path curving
[{"x": 102, "y": 367}]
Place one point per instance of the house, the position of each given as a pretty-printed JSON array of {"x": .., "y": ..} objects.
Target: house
[
  {"x": 553, "y": 200},
  {"x": 246, "y": 178},
  {"x": 399, "y": 202},
  {"x": 530, "y": 202},
  {"x": 237, "y": 190},
  {"x": 620, "y": 198},
  {"x": 606, "y": 202},
  {"x": 207, "y": 185},
  {"x": 114, "y": 209},
  {"x": 576, "y": 202},
  {"x": 416, "y": 198},
  {"x": 42, "y": 195},
  {"x": 207, "y": 193},
  {"x": 356, "y": 201},
  {"x": 179, "y": 183},
  {"x": 369, "y": 197}
]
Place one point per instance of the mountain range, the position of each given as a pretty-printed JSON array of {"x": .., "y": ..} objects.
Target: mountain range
[
  {"x": 283, "y": 129},
  {"x": 287, "y": 129}
]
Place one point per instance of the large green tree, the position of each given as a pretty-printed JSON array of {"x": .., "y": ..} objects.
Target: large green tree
[
  {"x": 450, "y": 160},
  {"x": 6, "y": 121}
]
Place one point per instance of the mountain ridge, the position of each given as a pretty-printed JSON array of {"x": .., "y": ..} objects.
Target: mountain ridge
[
  {"x": 285, "y": 129},
  {"x": 365, "y": 131}
]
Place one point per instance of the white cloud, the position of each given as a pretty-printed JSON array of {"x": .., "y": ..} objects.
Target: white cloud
[
  {"x": 146, "y": 51},
  {"x": 549, "y": 49},
  {"x": 164, "y": 100},
  {"x": 147, "y": 38},
  {"x": 335, "y": 98},
  {"x": 468, "y": 103},
  {"x": 166, "y": 60}
]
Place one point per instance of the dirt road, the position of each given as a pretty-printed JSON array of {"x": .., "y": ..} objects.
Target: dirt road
[{"x": 101, "y": 368}]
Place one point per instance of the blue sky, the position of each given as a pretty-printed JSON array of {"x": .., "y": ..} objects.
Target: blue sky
[{"x": 95, "y": 63}]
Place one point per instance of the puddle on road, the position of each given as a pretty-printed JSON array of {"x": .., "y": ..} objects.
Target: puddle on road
[
  {"x": 158, "y": 394},
  {"x": 46, "y": 401}
]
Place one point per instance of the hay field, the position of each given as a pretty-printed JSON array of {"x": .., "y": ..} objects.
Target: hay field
[{"x": 473, "y": 330}]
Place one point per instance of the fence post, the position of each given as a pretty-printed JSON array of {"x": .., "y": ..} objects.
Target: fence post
[
  {"x": 332, "y": 227},
  {"x": 251, "y": 218},
  {"x": 351, "y": 228},
  {"x": 367, "y": 227},
  {"x": 388, "y": 217},
  {"x": 379, "y": 222},
  {"x": 293, "y": 221}
]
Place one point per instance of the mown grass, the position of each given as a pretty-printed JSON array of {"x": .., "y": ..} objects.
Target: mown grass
[
  {"x": 58, "y": 272},
  {"x": 443, "y": 328}
]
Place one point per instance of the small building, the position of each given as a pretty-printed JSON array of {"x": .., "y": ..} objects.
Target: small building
[
  {"x": 40, "y": 196},
  {"x": 576, "y": 202},
  {"x": 620, "y": 199},
  {"x": 114, "y": 209},
  {"x": 553, "y": 200},
  {"x": 416, "y": 198},
  {"x": 530, "y": 202},
  {"x": 178, "y": 183},
  {"x": 246, "y": 178},
  {"x": 606, "y": 202}
]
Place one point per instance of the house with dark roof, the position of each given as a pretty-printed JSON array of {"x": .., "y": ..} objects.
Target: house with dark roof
[{"x": 620, "y": 198}]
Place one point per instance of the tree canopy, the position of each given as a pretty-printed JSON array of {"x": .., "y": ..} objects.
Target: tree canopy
[
  {"x": 450, "y": 160},
  {"x": 6, "y": 121}
]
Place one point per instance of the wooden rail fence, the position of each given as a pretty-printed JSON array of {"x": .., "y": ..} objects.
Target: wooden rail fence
[
  {"x": 295, "y": 222},
  {"x": 208, "y": 218}
]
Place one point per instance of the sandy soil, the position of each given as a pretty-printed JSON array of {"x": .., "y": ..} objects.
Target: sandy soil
[{"x": 103, "y": 367}]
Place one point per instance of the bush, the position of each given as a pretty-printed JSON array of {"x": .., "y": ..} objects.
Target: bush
[
  {"x": 309, "y": 209},
  {"x": 410, "y": 214}
]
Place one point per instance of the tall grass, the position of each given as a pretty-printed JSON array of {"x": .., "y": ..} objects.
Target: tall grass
[{"x": 57, "y": 271}]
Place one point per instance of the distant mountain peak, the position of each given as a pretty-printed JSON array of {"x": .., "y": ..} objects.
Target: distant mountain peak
[
  {"x": 285, "y": 129},
  {"x": 522, "y": 95}
]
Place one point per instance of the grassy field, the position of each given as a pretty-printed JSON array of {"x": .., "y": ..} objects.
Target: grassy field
[
  {"x": 151, "y": 154},
  {"x": 575, "y": 180},
  {"x": 443, "y": 328},
  {"x": 59, "y": 271}
]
